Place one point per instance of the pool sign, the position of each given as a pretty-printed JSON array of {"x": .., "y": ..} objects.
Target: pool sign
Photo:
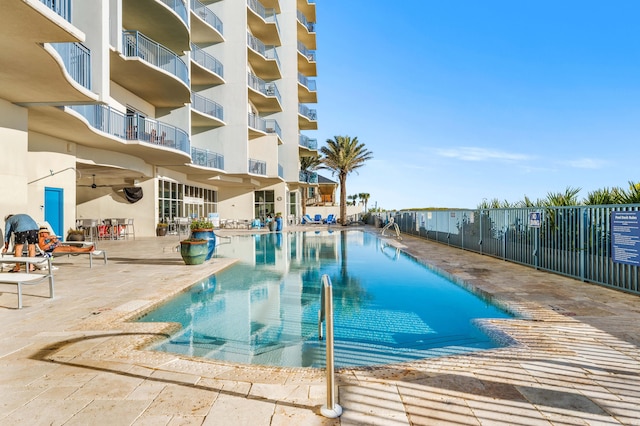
[
  {"x": 534, "y": 219},
  {"x": 625, "y": 237}
]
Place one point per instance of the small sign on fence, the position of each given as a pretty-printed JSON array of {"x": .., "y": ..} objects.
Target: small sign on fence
[
  {"x": 625, "y": 237},
  {"x": 534, "y": 219}
]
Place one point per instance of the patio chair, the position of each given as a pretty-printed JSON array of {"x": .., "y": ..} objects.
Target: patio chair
[
  {"x": 331, "y": 218},
  {"x": 318, "y": 218},
  {"x": 306, "y": 219}
]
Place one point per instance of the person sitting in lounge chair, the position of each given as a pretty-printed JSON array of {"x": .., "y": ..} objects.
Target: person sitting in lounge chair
[{"x": 51, "y": 244}]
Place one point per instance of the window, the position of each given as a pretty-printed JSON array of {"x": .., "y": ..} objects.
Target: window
[
  {"x": 180, "y": 200},
  {"x": 264, "y": 204}
]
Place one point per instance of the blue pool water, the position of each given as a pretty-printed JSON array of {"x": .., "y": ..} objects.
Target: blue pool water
[{"x": 264, "y": 310}]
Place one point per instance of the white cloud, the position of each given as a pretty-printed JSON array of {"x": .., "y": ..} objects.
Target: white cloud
[
  {"x": 469, "y": 153},
  {"x": 586, "y": 163}
]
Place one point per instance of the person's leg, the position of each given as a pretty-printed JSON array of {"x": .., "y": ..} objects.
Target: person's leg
[
  {"x": 17, "y": 252},
  {"x": 32, "y": 240}
]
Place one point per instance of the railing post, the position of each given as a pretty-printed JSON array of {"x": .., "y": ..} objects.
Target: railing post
[{"x": 331, "y": 409}]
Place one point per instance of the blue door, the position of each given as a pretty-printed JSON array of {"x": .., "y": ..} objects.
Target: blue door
[{"x": 54, "y": 209}]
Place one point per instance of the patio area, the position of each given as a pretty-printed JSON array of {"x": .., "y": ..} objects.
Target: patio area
[{"x": 74, "y": 360}]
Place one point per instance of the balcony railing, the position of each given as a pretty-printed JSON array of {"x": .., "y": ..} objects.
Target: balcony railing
[
  {"x": 268, "y": 52},
  {"x": 136, "y": 44},
  {"x": 307, "y": 112},
  {"x": 61, "y": 7},
  {"x": 77, "y": 61},
  {"x": 179, "y": 7},
  {"x": 307, "y": 82},
  {"x": 311, "y": 26},
  {"x": 308, "y": 177},
  {"x": 272, "y": 126},
  {"x": 207, "y": 106},
  {"x": 206, "y": 60},
  {"x": 257, "y": 167},
  {"x": 206, "y": 15},
  {"x": 134, "y": 127},
  {"x": 257, "y": 122},
  {"x": 269, "y": 15},
  {"x": 267, "y": 89},
  {"x": 309, "y": 54},
  {"x": 206, "y": 158},
  {"x": 308, "y": 142}
]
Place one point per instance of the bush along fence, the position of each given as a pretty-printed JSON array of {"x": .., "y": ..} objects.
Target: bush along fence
[{"x": 598, "y": 244}]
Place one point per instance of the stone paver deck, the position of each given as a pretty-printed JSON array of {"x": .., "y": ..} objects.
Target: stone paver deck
[{"x": 74, "y": 360}]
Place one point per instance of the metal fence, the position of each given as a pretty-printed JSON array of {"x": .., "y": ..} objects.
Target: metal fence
[{"x": 572, "y": 241}]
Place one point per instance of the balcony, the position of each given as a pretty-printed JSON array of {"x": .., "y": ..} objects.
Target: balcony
[
  {"x": 257, "y": 126},
  {"x": 307, "y": 118},
  {"x": 306, "y": 31},
  {"x": 308, "y": 177},
  {"x": 263, "y": 23},
  {"x": 264, "y": 96},
  {"x": 206, "y": 27},
  {"x": 62, "y": 8},
  {"x": 205, "y": 113},
  {"x": 103, "y": 127},
  {"x": 206, "y": 70},
  {"x": 165, "y": 21},
  {"x": 151, "y": 71},
  {"x": 273, "y": 128},
  {"x": 307, "y": 89},
  {"x": 307, "y": 143},
  {"x": 257, "y": 167},
  {"x": 205, "y": 158},
  {"x": 32, "y": 70},
  {"x": 77, "y": 61},
  {"x": 308, "y": 7},
  {"x": 263, "y": 59},
  {"x": 306, "y": 60}
]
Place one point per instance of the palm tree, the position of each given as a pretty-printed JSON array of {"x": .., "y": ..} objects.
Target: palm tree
[
  {"x": 343, "y": 155},
  {"x": 364, "y": 197},
  {"x": 308, "y": 165},
  {"x": 352, "y": 199}
]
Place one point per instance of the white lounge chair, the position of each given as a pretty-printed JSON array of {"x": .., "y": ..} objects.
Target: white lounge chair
[{"x": 19, "y": 278}]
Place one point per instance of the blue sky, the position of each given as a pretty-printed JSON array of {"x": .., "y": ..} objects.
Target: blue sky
[{"x": 461, "y": 101}]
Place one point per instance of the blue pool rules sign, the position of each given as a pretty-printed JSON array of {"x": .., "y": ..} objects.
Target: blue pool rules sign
[{"x": 625, "y": 237}]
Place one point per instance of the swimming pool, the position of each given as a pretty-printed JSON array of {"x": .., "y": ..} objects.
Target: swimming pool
[{"x": 388, "y": 307}]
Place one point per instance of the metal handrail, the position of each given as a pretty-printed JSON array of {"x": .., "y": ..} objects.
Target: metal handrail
[{"x": 331, "y": 409}]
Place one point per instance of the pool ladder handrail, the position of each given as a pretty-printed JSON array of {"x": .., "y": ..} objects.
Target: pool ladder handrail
[{"x": 331, "y": 409}]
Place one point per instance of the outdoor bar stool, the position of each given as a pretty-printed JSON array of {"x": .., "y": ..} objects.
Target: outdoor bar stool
[
  {"x": 91, "y": 228},
  {"x": 129, "y": 228}
]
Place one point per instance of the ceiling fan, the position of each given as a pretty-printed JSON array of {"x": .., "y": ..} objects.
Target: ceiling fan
[{"x": 94, "y": 185}]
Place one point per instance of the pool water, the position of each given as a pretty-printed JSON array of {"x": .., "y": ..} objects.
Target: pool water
[{"x": 388, "y": 307}]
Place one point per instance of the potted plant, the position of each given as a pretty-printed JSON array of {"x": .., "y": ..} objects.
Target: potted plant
[
  {"x": 203, "y": 229},
  {"x": 278, "y": 221},
  {"x": 194, "y": 250},
  {"x": 161, "y": 229},
  {"x": 75, "y": 235}
]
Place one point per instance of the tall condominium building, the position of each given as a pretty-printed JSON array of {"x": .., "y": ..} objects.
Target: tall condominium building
[{"x": 156, "y": 109}]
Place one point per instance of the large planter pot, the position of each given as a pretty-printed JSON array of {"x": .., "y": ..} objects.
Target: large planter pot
[
  {"x": 278, "y": 223},
  {"x": 206, "y": 234},
  {"x": 161, "y": 231},
  {"x": 194, "y": 252},
  {"x": 272, "y": 225}
]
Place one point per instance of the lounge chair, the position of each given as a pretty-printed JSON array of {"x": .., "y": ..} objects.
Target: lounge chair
[
  {"x": 318, "y": 218},
  {"x": 67, "y": 248},
  {"x": 20, "y": 279},
  {"x": 306, "y": 219},
  {"x": 330, "y": 219}
]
